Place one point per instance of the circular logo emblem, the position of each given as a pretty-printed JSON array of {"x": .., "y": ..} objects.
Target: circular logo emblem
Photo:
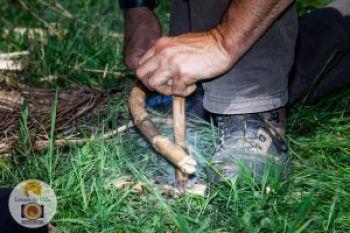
[{"x": 32, "y": 203}]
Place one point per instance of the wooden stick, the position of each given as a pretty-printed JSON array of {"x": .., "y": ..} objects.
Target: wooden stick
[
  {"x": 169, "y": 150},
  {"x": 179, "y": 117}
]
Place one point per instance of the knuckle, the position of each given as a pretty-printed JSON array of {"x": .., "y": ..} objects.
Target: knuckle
[
  {"x": 139, "y": 73},
  {"x": 163, "y": 63},
  {"x": 152, "y": 84},
  {"x": 164, "y": 53},
  {"x": 182, "y": 73},
  {"x": 174, "y": 61},
  {"x": 161, "y": 41},
  {"x": 177, "y": 88}
]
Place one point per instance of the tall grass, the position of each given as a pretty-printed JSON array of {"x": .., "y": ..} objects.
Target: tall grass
[{"x": 314, "y": 199}]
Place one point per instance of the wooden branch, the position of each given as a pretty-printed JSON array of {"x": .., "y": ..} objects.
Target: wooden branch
[
  {"x": 174, "y": 153},
  {"x": 179, "y": 116}
]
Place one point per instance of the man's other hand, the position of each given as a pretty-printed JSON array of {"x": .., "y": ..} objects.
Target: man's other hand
[
  {"x": 174, "y": 64},
  {"x": 142, "y": 30}
]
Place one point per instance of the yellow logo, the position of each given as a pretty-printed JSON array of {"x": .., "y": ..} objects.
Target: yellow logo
[{"x": 32, "y": 186}]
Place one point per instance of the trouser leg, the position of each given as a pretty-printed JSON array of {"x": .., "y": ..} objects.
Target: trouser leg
[
  {"x": 322, "y": 59},
  {"x": 259, "y": 81}
]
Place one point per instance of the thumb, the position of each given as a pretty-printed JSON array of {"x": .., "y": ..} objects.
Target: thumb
[{"x": 180, "y": 89}]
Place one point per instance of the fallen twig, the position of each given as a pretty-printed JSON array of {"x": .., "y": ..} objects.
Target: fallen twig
[
  {"x": 43, "y": 144},
  {"x": 13, "y": 55},
  {"x": 12, "y": 61},
  {"x": 167, "y": 191},
  {"x": 11, "y": 65},
  {"x": 104, "y": 72}
]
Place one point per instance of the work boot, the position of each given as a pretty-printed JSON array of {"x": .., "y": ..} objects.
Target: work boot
[{"x": 251, "y": 142}]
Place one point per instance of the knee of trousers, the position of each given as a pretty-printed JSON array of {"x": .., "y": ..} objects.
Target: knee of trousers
[{"x": 259, "y": 80}]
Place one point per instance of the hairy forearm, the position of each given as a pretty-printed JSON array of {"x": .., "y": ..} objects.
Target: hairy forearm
[
  {"x": 186, "y": 59},
  {"x": 244, "y": 23}
]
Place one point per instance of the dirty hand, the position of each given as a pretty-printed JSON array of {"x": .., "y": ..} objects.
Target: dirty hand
[
  {"x": 174, "y": 64},
  {"x": 142, "y": 29}
]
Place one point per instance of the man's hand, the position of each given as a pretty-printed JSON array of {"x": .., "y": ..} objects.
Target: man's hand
[
  {"x": 142, "y": 30},
  {"x": 174, "y": 64}
]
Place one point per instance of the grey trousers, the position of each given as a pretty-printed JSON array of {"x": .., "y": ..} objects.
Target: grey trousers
[{"x": 260, "y": 81}]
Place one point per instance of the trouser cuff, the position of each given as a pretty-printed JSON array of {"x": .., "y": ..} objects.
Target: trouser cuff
[{"x": 241, "y": 106}]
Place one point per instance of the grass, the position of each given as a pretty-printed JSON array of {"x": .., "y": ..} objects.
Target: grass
[{"x": 315, "y": 199}]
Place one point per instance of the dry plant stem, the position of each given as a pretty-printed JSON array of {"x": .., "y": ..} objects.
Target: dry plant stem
[
  {"x": 179, "y": 117},
  {"x": 115, "y": 73},
  {"x": 39, "y": 145},
  {"x": 174, "y": 153},
  {"x": 31, "y": 33},
  {"x": 43, "y": 144},
  {"x": 58, "y": 8},
  {"x": 11, "y": 65},
  {"x": 75, "y": 106},
  {"x": 13, "y": 55},
  {"x": 52, "y": 29},
  {"x": 11, "y": 61}
]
